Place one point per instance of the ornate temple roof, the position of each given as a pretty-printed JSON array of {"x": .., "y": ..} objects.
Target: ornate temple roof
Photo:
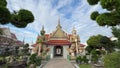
[
  {"x": 59, "y": 33},
  {"x": 58, "y": 37},
  {"x": 58, "y": 42}
]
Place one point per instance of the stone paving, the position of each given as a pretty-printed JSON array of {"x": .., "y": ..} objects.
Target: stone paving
[{"x": 59, "y": 62}]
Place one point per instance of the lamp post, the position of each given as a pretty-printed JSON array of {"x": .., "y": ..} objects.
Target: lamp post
[{"x": 76, "y": 47}]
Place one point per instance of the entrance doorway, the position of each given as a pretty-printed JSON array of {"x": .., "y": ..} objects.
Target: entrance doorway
[{"x": 58, "y": 51}]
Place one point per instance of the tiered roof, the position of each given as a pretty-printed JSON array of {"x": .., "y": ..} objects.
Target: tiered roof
[{"x": 58, "y": 37}]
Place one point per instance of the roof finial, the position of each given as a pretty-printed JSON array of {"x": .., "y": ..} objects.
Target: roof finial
[
  {"x": 42, "y": 28},
  {"x": 73, "y": 28},
  {"x": 73, "y": 31},
  {"x": 59, "y": 26},
  {"x": 59, "y": 20}
]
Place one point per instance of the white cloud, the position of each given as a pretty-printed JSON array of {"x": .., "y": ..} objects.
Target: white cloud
[{"x": 47, "y": 14}]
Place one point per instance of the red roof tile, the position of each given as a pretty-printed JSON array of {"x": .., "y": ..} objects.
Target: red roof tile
[
  {"x": 47, "y": 36},
  {"x": 82, "y": 45},
  {"x": 58, "y": 42},
  {"x": 34, "y": 44}
]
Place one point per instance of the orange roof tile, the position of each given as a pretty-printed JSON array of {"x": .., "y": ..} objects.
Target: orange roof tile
[
  {"x": 82, "y": 45},
  {"x": 58, "y": 42},
  {"x": 47, "y": 36}
]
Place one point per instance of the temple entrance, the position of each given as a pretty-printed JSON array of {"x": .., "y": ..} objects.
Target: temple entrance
[{"x": 58, "y": 51}]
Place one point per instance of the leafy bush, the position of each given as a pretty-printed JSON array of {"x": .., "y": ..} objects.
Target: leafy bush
[
  {"x": 94, "y": 56},
  {"x": 34, "y": 59},
  {"x": 38, "y": 60},
  {"x": 78, "y": 59},
  {"x": 112, "y": 60},
  {"x": 84, "y": 59}
]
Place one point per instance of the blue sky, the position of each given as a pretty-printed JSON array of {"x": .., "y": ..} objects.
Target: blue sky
[{"x": 72, "y": 13}]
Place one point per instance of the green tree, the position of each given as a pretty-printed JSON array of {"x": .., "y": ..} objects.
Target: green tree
[
  {"x": 112, "y": 60},
  {"x": 95, "y": 45},
  {"x": 98, "y": 42},
  {"x": 94, "y": 42},
  {"x": 26, "y": 50},
  {"x": 5, "y": 15},
  {"x": 22, "y": 18},
  {"x": 94, "y": 15},
  {"x": 110, "y": 18},
  {"x": 19, "y": 19},
  {"x": 3, "y": 3},
  {"x": 93, "y": 2},
  {"x": 107, "y": 44},
  {"x": 116, "y": 33}
]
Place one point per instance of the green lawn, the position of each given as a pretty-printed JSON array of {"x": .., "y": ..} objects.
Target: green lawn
[{"x": 85, "y": 66}]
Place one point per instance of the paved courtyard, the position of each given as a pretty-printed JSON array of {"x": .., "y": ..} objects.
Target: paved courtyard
[{"x": 58, "y": 62}]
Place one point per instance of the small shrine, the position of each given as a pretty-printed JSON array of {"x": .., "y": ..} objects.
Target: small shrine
[{"x": 58, "y": 43}]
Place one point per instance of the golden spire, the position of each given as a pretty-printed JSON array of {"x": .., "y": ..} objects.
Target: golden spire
[
  {"x": 59, "y": 26},
  {"x": 73, "y": 31}
]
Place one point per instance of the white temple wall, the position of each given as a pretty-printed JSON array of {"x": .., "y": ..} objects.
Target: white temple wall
[
  {"x": 51, "y": 52},
  {"x": 65, "y": 52}
]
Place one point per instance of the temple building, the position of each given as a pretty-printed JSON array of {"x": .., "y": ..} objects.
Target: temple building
[
  {"x": 9, "y": 38},
  {"x": 58, "y": 43}
]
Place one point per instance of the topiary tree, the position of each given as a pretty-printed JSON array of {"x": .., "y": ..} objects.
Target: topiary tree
[
  {"x": 94, "y": 15},
  {"x": 93, "y": 43},
  {"x": 3, "y": 3},
  {"x": 92, "y": 2},
  {"x": 22, "y": 18},
  {"x": 107, "y": 44},
  {"x": 96, "y": 44},
  {"x": 5, "y": 15},
  {"x": 110, "y": 18},
  {"x": 19, "y": 19},
  {"x": 26, "y": 50},
  {"x": 99, "y": 42}
]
